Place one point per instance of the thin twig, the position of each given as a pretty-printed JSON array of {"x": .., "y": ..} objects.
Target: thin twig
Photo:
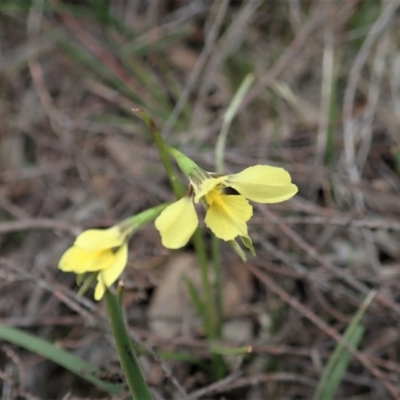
[
  {"x": 313, "y": 254},
  {"x": 319, "y": 13},
  {"x": 195, "y": 74},
  {"x": 324, "y": 327},
  {"x": 39, "y": 223},
  {"x": 229, "y": 42},
  {"x": 350, "y": 95},
  {"x": 326, "y": 101},
  {"x": 231, "y": 383},
  {"x": 346, "y": 222},
  {"x": 104, "y": 56}
]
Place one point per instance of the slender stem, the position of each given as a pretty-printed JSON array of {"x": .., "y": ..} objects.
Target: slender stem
[
  {"x": 176, "y": 184},
  {"x": 198, "y": 240},
  {"x": 209, "y": 312},
  {"x": 229, "y": 115},
  {"x": 133, "y": 374},
  {"x": 216, "y": 257},
  {"x": 132, "y": 224},
  {"x": 86, "y": 284}
]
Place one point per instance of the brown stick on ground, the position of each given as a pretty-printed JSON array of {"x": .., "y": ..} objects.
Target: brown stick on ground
[{"x": 324, "y": 327}]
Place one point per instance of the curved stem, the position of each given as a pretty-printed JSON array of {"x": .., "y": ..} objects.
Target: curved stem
[{"x": 130, "y": 365}]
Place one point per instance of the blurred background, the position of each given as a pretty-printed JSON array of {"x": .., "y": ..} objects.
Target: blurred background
[{"x": 324, "y": 104}]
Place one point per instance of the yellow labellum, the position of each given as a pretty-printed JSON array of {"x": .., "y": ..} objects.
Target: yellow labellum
[
  {"x": 207, "y": 186},
  {"x": 227, "y": 215}
]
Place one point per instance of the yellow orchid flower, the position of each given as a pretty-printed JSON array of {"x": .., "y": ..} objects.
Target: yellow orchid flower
[
  {"x": 227, "y": 214},
  {"x": 98, "y": 250},
  {"x": 105, "y": 251}
]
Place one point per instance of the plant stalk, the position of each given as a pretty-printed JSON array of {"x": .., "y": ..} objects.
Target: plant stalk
[{"x": 130, "y": 365}]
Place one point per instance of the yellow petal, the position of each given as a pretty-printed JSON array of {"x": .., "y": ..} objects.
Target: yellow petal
[
  {"x": 177, "y": 223},
  {"x": 227, "y": 216},
  {"x": 100, "y": 288},
  {"x": 111, "y": 274},
  {"x": 100, "y": 239},
  {"x": 207, "y": 186},
  {"x": 80, "y": 260},
  {"x": 263, "y": 184}
]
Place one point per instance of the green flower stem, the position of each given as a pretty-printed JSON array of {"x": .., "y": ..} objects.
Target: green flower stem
[
  {"x": 209, "y": 316},
  {"x": 177, "y": 187},
  {"x": 216, "y": 257},
  {"x": 132, "y": 224},
  {"x": 134, "y": 377},
  {"x": 86, "y": 283},
  {"x": 198, "y": 240},
  {"x": 229, "y": 115}
]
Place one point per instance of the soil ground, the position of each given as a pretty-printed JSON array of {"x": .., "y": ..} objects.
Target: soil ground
[{"x": 324, "y": 105}]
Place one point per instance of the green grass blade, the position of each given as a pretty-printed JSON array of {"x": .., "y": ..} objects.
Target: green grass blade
[
  {"x": 100, "y": 9},
  {"x": 59, "y": 356},
  {"x": 341, "y": 366},
  {"x": 194, "y": 295},
  {"x": 12, "y": 6},
  {"x": 228, "y": 118},
  {"x": 340, "y": 358},
  {"x": 84, "y": 57},
  {"x": 181, "y": 356}
]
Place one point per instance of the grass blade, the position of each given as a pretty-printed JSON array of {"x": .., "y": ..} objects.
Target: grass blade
[
  {"x": 340, "y": 359},
  {"x": 228, "y": 118},
  {"x": 59, "y": 356}
]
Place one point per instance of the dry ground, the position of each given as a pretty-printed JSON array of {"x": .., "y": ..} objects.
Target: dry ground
[{"x": 325, "y": 105}]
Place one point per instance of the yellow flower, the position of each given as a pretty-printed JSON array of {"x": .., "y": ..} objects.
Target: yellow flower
[
  {"x": 98, "y": 250},
  {"x": 227, "y": 214}
]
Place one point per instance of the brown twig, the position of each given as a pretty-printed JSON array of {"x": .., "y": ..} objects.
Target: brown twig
[
  {"x": 203, "y": 347},
  {"x": 69, "y": 299},
  {"x": 305, "y": 312},
  {"x": 346, "y": 222},
  {"x": 350, "y": 94},
  {"x": 231, "y": 383},
  {"x": 201, "y": 62},
  {"x": 103, "y": 55},
  {"x": 40, "y": 223},
  {"x": 338, "y": 272}
]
